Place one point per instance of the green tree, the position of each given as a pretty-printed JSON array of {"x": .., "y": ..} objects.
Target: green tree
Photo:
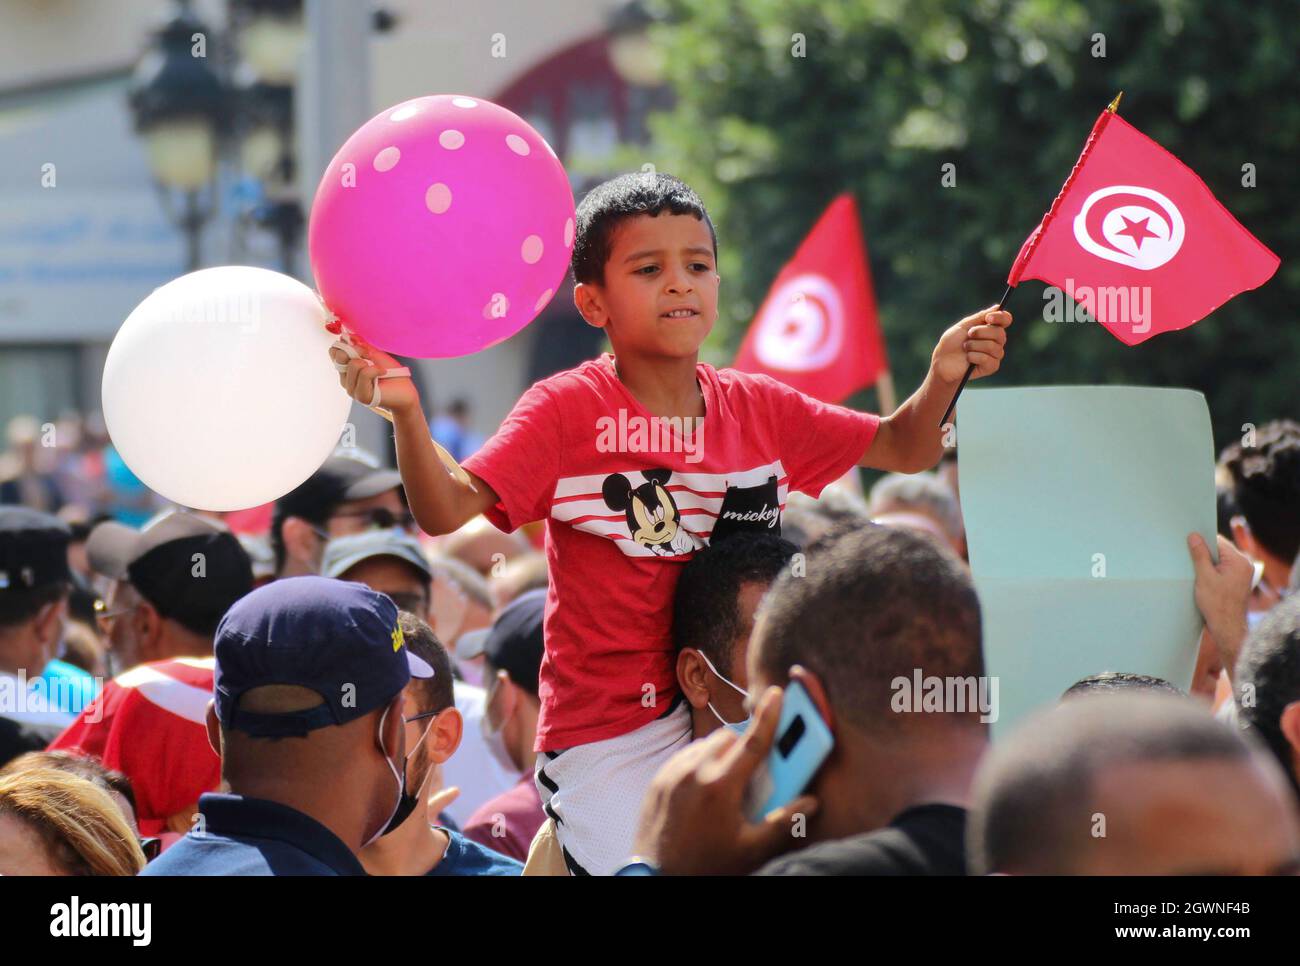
[{"x": 782, "y": 104}]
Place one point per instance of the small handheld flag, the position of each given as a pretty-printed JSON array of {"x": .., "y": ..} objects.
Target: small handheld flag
[{"x": 1139, "y": 240}]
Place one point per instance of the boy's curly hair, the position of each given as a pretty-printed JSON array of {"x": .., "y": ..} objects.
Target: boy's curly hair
[{"x": 609, "y": 204}]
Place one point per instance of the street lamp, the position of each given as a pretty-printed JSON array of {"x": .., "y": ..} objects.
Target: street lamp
[
  {"x": 635, "y": 57},
  {"x": 180, "y": 109},
  {"x": 271, "y": 35}
]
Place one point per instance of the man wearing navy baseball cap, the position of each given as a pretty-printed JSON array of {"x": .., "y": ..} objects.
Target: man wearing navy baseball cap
[{"x": 307, "y": 718}]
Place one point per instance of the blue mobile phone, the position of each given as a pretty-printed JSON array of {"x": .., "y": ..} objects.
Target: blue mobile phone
[{"x": 802, "y": 743}]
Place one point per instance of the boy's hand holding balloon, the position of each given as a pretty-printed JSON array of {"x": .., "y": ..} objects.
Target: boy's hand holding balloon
[{"x": 361, "y": 370}]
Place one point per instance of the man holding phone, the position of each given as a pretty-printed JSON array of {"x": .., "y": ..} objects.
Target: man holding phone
[{"x": 889, "y": 797}]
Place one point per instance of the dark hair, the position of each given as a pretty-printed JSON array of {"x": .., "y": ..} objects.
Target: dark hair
[
  {"x": 20, "y": 604},
  {"x": 435, "y": 693},
  {"x": 1266, "y": 486},
  {"x": 875, "y": 604},
  {"x": 706, "y": 615},
  {"x": 1033, "y": 796},
  {"x": 163, "y": 577},
  {"x": 608, "y": 205},
  {"x": 1268, "y": 679},
  {"x": 1115, "y": 682}
]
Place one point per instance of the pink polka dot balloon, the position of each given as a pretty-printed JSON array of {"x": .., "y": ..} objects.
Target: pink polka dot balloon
[{"x": 443, "y": 226}]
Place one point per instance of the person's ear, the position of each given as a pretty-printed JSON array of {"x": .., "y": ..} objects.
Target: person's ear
[
  {"x": 49, "y": 621},
  {"x": 692, "y": 677},
  {"x": 445, "y": 735},
  {"x": 148, "y": 630},
  {"x": 214, "y": 727},
  {"x": 1242, "y": 536},
  {"x": 301, "y": 542},
  {"x": 588, "y": 299},
  {"x": 813, "y": 685},
  {"x": 1289, "y": 725}
]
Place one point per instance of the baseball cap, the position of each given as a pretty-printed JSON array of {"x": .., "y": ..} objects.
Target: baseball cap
[
  {"x": 33, "y": 549},
  {"x": 344, "y": 553},
  {"x": 190, "y": 568},
  {"x": 340, "y": 479},
  {"x": 337, "y": 638},
  {"x": 514, "y": 642}
]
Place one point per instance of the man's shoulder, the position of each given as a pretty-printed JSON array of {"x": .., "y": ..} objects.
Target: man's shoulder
[
  {"x": 195, "y": 855},
  {"x": 464, "y": 856},
  {"x": 211, "y": 854},
  {"x": 928, "y": 840}
]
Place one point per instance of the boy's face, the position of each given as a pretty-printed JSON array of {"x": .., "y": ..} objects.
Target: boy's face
[{"x": 659, "y": 296}]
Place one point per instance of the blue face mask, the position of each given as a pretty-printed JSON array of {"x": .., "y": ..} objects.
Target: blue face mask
[{"x": 738, "y": 726}]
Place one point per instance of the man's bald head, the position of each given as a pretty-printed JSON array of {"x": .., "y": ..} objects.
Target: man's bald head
[{"x": 1130, "y": 784}]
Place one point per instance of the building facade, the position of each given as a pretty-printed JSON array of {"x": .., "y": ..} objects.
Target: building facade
[{"x": 84, "y": 233}]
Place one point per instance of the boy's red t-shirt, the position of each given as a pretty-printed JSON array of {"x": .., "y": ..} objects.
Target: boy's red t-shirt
[{"x": 627, "y": 504}]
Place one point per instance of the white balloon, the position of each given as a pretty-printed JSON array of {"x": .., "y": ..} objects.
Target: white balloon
[{"x": 219, "y": 392}]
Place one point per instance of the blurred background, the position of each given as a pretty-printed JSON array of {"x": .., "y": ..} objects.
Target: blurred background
[{"x": 140, "y": 139}]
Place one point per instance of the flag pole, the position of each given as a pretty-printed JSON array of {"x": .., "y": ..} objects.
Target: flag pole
[{"x": 970, "y": 369}]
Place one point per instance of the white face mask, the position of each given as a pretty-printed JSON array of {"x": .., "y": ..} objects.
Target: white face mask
[
  {"x": 495, "y": 737},
  {"x": 403, "y": 797},
  {"x": 738, "y": 726},
  {"x": 401, "y": 782}
]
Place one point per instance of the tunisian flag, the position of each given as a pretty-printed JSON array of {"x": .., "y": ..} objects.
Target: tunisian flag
[
  {"x": 817, "y": 330},
  {"x": 1138, "y": 240}
]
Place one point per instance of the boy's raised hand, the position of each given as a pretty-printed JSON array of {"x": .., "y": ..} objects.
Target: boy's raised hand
[
  {"x": 979, "y": 340},
  {"x": 359, "y": 377}
]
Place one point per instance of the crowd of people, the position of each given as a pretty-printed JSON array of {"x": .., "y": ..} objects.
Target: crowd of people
[{"x": 569, "y": 661}]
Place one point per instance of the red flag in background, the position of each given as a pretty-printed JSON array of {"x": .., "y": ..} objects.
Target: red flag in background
[
  {"x": 817, "y": 329},
  {"x": 1138, "y": 240}
]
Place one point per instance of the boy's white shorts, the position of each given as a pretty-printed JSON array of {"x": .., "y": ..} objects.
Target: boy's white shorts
[{"x": 594, "y": 791}]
